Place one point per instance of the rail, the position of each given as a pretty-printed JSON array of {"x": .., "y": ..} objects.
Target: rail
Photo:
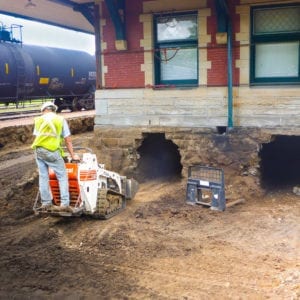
[{"x": 17, "y": 115}]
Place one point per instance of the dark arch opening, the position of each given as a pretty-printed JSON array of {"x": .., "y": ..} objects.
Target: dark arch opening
[
  {"x": 221, "y": 129},
  {"x": 159, "y": 158},
  {"x": 280, "y": 162}
]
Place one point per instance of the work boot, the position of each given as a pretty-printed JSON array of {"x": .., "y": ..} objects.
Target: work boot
[
  {"x": 65, "y": 208},
  {"x": 45, "y": 207},
  {"x": 215, "y": 208}
]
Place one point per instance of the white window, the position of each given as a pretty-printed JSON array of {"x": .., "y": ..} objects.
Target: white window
[
  {"x": 275, "y": 47},
  {"x": 176, "y": 49}
]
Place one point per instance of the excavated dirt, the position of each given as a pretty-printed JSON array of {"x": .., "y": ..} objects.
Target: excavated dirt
[{"x": 158, "y": 248}]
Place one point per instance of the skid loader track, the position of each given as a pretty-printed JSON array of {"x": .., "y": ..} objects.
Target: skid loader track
[{"x": 109, "y": 203}]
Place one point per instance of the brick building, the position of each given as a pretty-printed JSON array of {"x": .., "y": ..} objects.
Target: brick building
[{"x": 219, "y": 79}]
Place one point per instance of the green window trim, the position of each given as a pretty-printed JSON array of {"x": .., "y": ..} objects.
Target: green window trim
[
  {"x": 176, "y": 57},
  {"x": 275, "y": 42}
]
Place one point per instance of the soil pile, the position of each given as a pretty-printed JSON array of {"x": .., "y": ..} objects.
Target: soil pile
[{"x": 158, "y": 248}]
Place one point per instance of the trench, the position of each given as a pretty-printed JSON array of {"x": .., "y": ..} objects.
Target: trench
[
  {"x": 159, "y": 158},
  {"x": 280, "y": 162}
]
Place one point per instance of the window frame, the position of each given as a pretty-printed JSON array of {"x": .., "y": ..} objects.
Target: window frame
[
  {"x": 268, "y": 39},
  {"x": 181, "y": 44}
]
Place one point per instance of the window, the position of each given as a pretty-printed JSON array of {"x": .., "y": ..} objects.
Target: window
[
  {"x": 275, "y": 47},
  {"x": 176, "y": 49}
]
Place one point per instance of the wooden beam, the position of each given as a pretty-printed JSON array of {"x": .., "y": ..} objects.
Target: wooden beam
[
  {"x": 116, "y": 10},
  {"x": 222, "y": 15}
]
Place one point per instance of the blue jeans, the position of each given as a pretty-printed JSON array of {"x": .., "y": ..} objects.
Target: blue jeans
[{"x": 46, "y": 159}]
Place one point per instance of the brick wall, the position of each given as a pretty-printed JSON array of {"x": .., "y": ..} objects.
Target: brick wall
[
  {"x": 124, "y": 67},
  {"x": 217, "y": 53},
  {"x": 125, "y": 101}
]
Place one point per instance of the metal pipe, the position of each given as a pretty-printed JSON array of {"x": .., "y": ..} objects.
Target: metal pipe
[
  {"x": 99, "y": 83},
  {"x": 229, "y": 74}
]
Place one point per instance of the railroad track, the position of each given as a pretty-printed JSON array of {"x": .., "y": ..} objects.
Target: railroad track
[
  {"x": 18, "y": 114},
  {"x": 26, "y": 117}
]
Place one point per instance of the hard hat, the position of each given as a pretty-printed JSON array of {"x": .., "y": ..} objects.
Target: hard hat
[{"x": 49, "y": 104}]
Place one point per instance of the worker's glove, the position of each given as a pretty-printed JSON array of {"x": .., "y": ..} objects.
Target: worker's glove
[{"x": 75, "y": 158}]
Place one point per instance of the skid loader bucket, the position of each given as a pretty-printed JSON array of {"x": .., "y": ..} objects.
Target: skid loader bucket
[
  {"x": 132, "y": 187},
  {"x": 201, "y": 179}
]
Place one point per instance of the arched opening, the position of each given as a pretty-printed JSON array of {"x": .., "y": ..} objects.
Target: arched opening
[
  {"x": 280, "y": 162},
  {"x": 159, "y": 158},
  {"x": 221, "y": 129}
]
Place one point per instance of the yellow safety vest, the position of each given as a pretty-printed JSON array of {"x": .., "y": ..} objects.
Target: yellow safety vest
[{"x": 48, "y": 129}]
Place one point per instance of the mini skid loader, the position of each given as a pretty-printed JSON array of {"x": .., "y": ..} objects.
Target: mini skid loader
[{"x": 93, "y": 190}]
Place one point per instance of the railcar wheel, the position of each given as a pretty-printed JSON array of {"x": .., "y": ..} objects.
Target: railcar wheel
[
  {"x": 59, "y": 103},
  {"x": 75, "y": 105},
  {"x": 89, "y": 104}
]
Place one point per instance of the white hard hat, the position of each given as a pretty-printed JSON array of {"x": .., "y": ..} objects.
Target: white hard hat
[{"x": 49, "y": 104}]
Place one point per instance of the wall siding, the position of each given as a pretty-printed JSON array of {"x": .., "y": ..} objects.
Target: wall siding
[
  {"x": 128, "y": 99},
  {"x": 123, "y": 68}
]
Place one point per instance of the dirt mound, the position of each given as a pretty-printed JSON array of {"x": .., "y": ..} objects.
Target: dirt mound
[{"x": 158, "y": 248}]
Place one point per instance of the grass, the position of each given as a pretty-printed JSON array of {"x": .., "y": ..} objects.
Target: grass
[{"x": 22, "y": 106}]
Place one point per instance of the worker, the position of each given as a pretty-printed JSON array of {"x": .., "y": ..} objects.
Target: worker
[{"x": 50, "y": 130}]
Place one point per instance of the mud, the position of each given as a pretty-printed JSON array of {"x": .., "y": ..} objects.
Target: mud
[{"x": 158, "y": 248}]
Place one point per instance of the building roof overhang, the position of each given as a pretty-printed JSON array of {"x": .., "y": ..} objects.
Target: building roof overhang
[{"x": 71, "y": 14}]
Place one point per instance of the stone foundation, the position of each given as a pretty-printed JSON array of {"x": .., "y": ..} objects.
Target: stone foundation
[
  {"x": 236, "y": 152},
  {"x": 237, "y": 149}
]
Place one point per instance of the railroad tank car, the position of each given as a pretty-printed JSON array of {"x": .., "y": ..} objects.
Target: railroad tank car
[{"x": 29, "y": 72}]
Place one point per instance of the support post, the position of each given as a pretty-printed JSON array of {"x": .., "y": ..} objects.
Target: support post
[
  {"x": 98, "y": 47},
  {"x": 116, "y": 11},
  {"x": 224, "y": 26},
  {"x": 229, "y": 74}
]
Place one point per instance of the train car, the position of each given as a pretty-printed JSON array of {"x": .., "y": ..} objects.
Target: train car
[{"x": 29, "y": 72}]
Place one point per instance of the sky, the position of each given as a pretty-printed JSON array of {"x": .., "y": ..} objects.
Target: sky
[{"x": 35, "y": 33}]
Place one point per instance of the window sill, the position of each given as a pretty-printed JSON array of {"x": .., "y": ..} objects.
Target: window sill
[
  {"x": 261, "y": 84},
  {"x": 172, "y": 86}
]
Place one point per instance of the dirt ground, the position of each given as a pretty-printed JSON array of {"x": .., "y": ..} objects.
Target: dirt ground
[{"x": 158, "y": 248}]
